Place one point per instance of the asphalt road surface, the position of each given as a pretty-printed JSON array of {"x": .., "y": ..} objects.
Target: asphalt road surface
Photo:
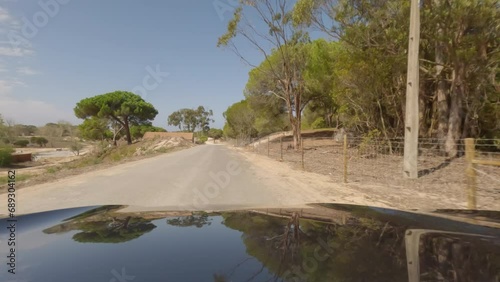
[{"x": 210, "y": 177}]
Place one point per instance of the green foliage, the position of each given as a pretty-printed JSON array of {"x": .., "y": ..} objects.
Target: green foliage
[
  {"x": 102, "y": 228},
  {"x": 202, "y": 140},
  {"x": 138, "y": 131},
  {"x": 281, "y": 72},
  {"x": 40, "y": 141},
  {"x": 76, "y": 147},
  {"x": 239, "y": 121},
  {"x": 6, "y": 156},
  {"x": 19, "y": 177},
  {"x": 195, "y": 220},
  {"x": 21, "y": 143},
  {"x": 95, "y": 129},
  {"x": 123, "y": 107},
  {"x": 319, "y": 123},
  {"x": 215, "y": 133},
  {"x": 367, "y": 67},
  {"x": 117, "y": 156},
  {"x": 262, "y": 93},
  {"x": 5, "y": 132},
  {"x": 232, "y": 27},
  {"x": 191, "y": 119},
  {"x": 320, "y": 82}
]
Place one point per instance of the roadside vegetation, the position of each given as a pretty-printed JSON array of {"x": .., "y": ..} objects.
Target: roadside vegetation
[
  {"x": 121, "y": 109},
  {"x": 355, "y": 76}
]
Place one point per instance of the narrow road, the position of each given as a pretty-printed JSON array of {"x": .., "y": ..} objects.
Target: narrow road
[{"x": 210, "y": 177}]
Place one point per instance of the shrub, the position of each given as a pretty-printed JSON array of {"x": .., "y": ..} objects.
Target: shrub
[
  {"x": 116, "y": 157},
  {"x": 202, "y": 140},
  {"x": 22, "y": 143},
  {"x": 75, "y": 148},
  {"x": 319, "y": 123},
  {"x": 41, "y": 141},
  {"x": 6, "y": 156}
]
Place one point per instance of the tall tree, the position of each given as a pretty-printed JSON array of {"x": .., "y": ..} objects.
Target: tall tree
[
  {"x": 269, "y": 110},
  {"x": 191, "y": 119},
  {"x": 466, "y": 58},
  {"x": 319, "y": 77},
  {"x": 240, "y": 121},
  {"x": 285, "y": 40},
  {"x": 459, "y": 64},
  {"x": 124, "y": 108},
  {"x": 215, "y": 133}
]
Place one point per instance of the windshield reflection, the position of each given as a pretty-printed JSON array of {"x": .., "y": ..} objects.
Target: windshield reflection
[{"x": 326, "y": 243}]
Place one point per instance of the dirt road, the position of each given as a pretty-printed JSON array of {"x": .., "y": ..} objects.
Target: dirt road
[
  {"x": 210, "y": 177},
  {"x": 203, "y": 177}
]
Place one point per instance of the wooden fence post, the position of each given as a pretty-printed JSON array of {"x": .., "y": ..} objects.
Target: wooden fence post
[
  {"x": 470, "y": 154},
  {"x": 345, "y": 158},
  {"x": 302, "y": 149}
]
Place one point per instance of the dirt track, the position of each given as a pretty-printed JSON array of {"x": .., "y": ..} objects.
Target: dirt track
[{"x": 215, "y": 177}]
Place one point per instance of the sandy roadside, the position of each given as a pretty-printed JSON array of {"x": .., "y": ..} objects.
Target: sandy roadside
[{"x": 322, "y": 188}]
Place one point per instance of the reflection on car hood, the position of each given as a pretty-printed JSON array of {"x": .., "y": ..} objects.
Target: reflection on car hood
[{"x": 322, "y": 243}]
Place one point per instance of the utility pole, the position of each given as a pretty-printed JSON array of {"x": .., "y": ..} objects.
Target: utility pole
[{"x": 412, "y": 88}]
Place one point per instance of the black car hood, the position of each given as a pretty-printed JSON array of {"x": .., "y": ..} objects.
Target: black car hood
[{"x": 322, "y": 243}]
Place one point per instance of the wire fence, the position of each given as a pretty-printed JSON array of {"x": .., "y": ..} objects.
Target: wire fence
[{"x": 377, "y": 161}]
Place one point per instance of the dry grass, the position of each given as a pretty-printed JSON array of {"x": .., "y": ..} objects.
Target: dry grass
[{"x": 369, "y": 163}]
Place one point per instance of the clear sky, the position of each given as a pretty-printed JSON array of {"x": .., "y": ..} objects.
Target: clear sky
[{"x": 73, "y": 49}]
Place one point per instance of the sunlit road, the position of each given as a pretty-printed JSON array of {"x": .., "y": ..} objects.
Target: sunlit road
[{"x": 201, "y": 178}]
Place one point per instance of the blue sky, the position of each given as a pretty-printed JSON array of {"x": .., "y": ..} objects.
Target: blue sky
[{"x": 76, "y": 49}]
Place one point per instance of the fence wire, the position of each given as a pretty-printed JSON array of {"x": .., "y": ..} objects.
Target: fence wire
[{"x": 378, "y": 161}]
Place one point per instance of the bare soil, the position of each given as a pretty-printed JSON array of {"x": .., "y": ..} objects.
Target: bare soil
[
  {"x": 47, "y": 169},
  {"x": 441, "y": 184}
]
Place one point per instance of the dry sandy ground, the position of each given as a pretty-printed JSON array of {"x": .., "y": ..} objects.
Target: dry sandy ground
[
  {"x": 315, "y": 187},
  {"x": 190, "y": 180}
]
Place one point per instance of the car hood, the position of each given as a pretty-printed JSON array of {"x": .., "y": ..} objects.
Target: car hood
[{"x": 324, "y": 242}]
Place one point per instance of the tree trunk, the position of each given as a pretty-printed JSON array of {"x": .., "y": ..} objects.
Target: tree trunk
[
  {"x": 441, "y": 93},
  {"x": 422, "y": 109},
  {"x": 127, "y": 131},
  {"x": 455, "y": 121}
]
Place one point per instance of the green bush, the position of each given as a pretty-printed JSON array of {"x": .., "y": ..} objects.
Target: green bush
[
  {"x": 41, "y": 141},
  {"x": 319, "y": 123},
  {"x": 202, "y": 140},
  {"x": 116, "y": 157},
  {"x": 6, "y": 156},
  {"x": 22, "y": 143},
  {"x": 75, "y": 148}
]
